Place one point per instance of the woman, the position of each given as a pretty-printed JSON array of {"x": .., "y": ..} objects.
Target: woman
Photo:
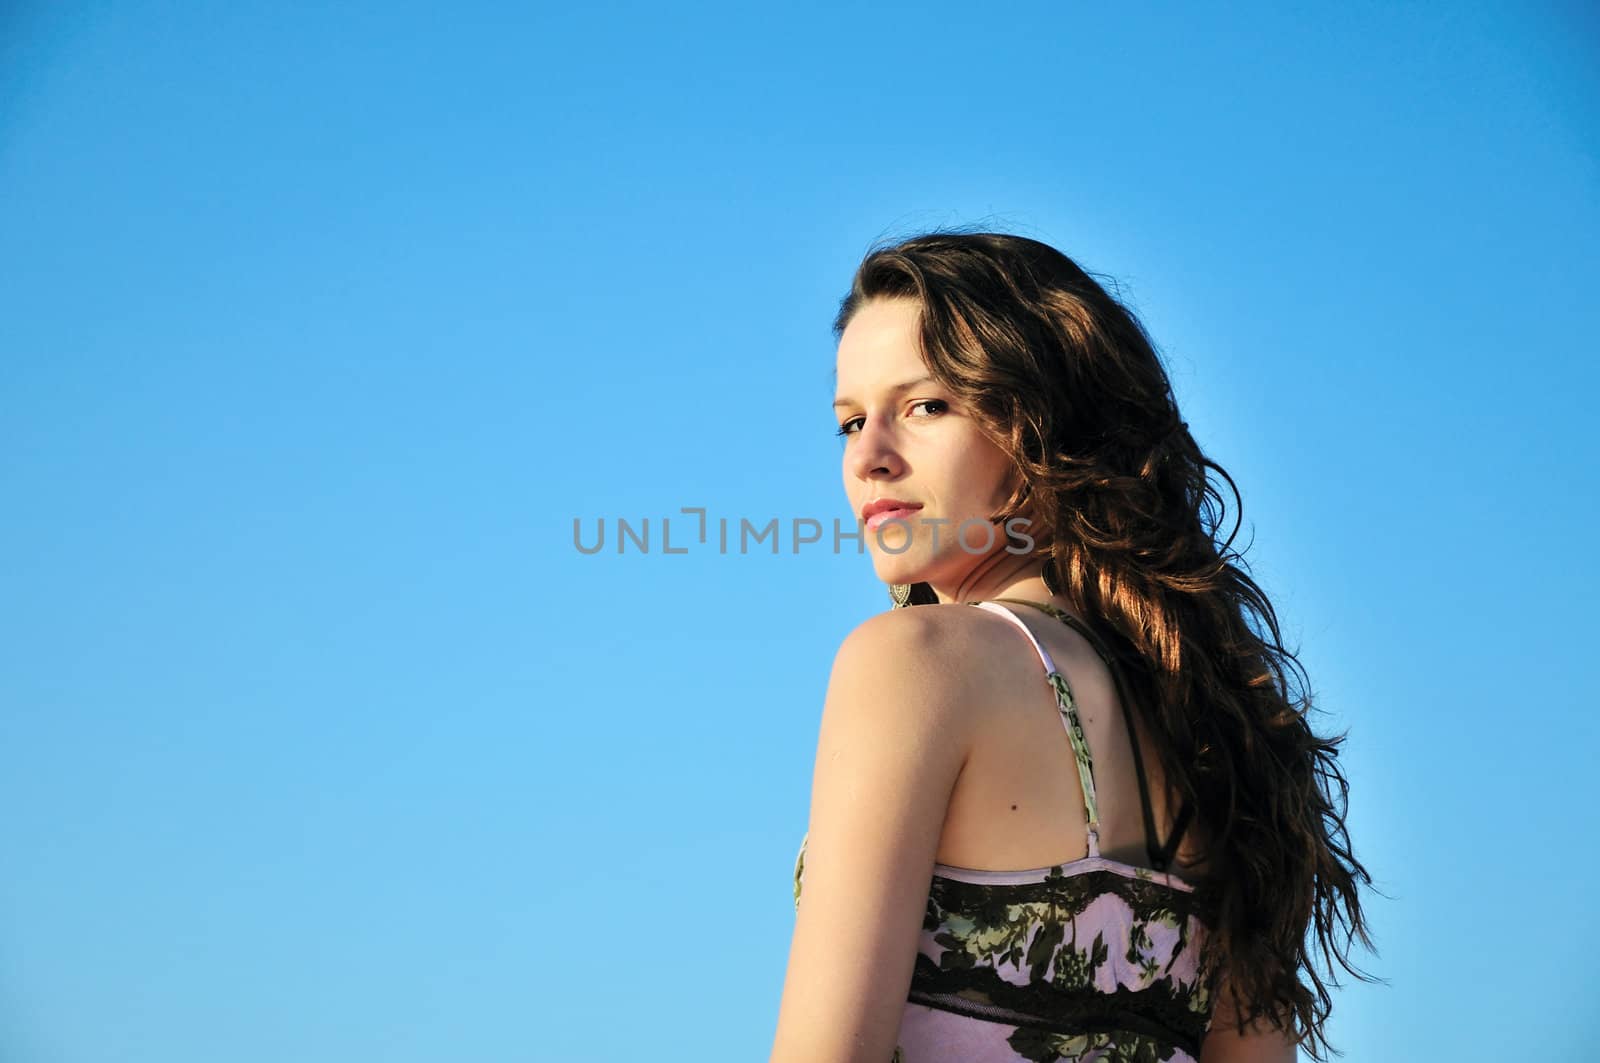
[{"x": 1085, "y": 820}]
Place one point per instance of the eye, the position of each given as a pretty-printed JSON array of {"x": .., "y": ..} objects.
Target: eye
[{"x": 853, "y": 425}]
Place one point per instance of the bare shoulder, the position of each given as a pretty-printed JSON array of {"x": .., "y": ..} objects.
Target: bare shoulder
[
  {"x": 947, "y": 668},
  {"x": 893, "y": 741},
  {"x": 947, "y": 648}
]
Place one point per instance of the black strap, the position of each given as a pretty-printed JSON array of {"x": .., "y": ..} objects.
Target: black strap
[{"x": 1161, "y": 856}]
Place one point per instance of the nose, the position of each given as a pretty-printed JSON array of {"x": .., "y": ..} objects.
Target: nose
[{"x": 873, "y": 454}]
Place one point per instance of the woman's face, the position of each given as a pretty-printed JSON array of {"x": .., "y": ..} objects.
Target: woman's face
[{"x": 909, "y": 439}]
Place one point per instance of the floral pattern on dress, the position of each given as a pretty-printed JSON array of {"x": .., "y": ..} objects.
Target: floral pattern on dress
[
  {"x": 1093, "y": 961},
  {"x": 1090, "y": 961}
]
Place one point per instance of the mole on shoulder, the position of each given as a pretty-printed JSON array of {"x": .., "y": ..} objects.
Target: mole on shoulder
[{"x": 1013, "y": 808}]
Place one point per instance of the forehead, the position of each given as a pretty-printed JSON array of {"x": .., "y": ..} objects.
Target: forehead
[{"x": 879, "y": 347}]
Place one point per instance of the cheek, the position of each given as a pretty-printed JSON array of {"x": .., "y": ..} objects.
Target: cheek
[
  {"x": 855, "y": 492},
  {"x": 986, "y": 473},
  {"x": 1006, "y": 477}
]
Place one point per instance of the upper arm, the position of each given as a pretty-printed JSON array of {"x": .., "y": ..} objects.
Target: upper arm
[
  {"x": 891, "y": 743},
  {"x": 1260, "y": 1043}
]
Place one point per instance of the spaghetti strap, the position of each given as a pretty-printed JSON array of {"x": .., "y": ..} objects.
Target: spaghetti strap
[
  {"x": 1038, "y": 647},
  {"x": 1068, "y": 708},
  {"x": 1161, "y": 856}
]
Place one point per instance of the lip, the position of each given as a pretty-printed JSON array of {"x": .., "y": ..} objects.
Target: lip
[{"x": 887, "y": 506}]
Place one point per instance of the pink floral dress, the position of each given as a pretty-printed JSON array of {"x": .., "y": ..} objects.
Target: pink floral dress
[{"x": 1089, "y": 961}]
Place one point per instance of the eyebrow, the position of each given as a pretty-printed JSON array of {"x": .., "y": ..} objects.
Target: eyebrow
[{"x": 897, "y": 389}]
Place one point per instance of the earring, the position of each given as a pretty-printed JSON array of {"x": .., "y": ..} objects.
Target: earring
[{"x": 900, "y": 593}]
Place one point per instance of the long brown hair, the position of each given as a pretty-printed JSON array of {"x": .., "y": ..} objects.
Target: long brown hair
[{"x": 1066, "y": 378}]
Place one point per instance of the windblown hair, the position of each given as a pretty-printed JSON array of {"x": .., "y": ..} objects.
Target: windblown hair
[{"x": 1066, "y": 378}]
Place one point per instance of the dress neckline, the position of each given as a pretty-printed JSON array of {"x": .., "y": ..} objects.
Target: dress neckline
[{"x": 1069, "y": 868}]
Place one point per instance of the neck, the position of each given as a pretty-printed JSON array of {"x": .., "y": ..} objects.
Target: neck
[{"x": 1001, "y": 575}]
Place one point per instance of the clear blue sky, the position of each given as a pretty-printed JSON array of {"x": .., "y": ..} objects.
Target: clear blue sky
[{"x": 320, "y": 741}]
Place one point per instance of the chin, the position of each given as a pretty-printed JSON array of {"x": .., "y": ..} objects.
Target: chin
[{"x": 899, "y": 574}]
